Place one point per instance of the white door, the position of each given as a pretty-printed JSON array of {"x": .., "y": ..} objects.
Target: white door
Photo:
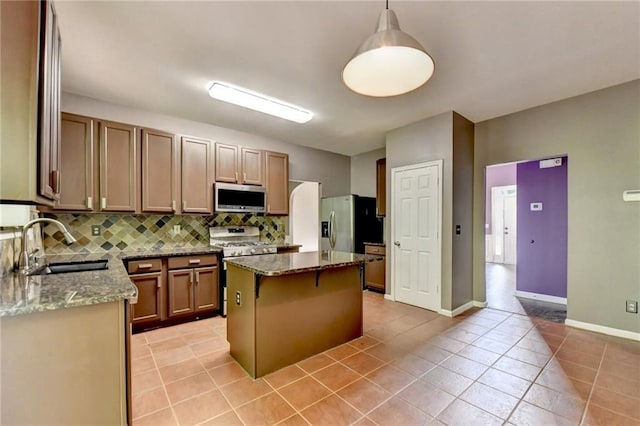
[
  {"x": 510, "y": 229},
  {"x": 416, "y": 255},
  {"x": 503, "y": 223}
]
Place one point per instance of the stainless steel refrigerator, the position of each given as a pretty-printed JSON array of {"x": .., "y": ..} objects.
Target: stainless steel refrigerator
[{"x": 347, "y": 222}]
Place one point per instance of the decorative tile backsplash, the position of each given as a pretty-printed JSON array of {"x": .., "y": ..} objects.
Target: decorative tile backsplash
[{"x": 119, "y": 232}]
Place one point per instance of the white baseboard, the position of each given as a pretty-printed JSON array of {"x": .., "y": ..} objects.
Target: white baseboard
[
  {"x": 625, "y": 334},
  {"x": 389, "y": 297},
  {"x": 457, "y": 311},
  {"x": 543, "y": 297},
  {"x": 477, "y": 304}
]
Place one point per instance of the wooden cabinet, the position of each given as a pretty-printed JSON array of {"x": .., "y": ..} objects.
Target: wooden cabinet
[
  {"x": 381, "y": 187},
  {"x": 288, "y": 249},
  {"x": 119, "y": 170},
  {"x": 277, "y": 182},
  {"x": 239, "y": 165},
  {"x": 193, "y": 284},
  {"x": 148, "y": 277},
  {"x": 375, "y": 270},
  {"x": 49, "y": 103},
  {"x": 196, "y": 175},
  {"x": 77, "y": 150},
  {"x": 159, "y": 171}
]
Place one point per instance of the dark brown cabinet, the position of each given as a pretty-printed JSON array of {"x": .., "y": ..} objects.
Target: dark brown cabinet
[
  {"x": 119, "y": 170},
  {"x": 277, "y": 182},
  {"x": 196, "y": 175},
  {"x": 159, "y": 171},
  {"x": 77, "y": 150},
  {"x": 193, "y": 284},
  {"x": 375, "y": 270},
  {"x": 148, "y": 277},
  {"x": 49, "y": 103},
  {"x": 381, "y": 187},
  {"x": 239, "y": 165}
]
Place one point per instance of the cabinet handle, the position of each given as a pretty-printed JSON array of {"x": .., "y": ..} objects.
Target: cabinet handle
[
  {"x": 268, "y": 208},
  {"x": 158, "y": 285},
  {"x": 236, "y": 176},
  {"x": 184, "y": 205},
  {"x": 194, "y": 261},
  {"x": 173, "y": 205},
  {"x": 191, "y": 277},
  {"x": 145, "y": 266},
  {"x": 55, "y": 181},
  {"x": 197, "y": 274},
  {"x": 103, "y": 203},
  {"x": 89, "y": 202},
  {"x": 244, "y": 176}
]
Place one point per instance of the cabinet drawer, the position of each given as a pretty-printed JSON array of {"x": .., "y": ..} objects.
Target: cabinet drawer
[
  {"x": 374, "y": 250},
  {"x": 182, "y": 262},
  {"x": 145, "y": 265}
]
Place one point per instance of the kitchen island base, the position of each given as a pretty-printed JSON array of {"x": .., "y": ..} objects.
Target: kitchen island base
[{"x": 275, "y": 321}]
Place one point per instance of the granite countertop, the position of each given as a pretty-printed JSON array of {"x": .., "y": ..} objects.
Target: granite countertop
[
  {"x": 21, "y": 294},
  {"x": 369, "y": 243},
  {"x": 292, "y": 263}
]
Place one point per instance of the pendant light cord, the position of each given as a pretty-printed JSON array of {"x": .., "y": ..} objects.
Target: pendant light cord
[{"x": 387, "y": 4}]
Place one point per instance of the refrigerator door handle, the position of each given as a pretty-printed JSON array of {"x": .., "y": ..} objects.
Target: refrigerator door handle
[{"x": 332, "y": 229}]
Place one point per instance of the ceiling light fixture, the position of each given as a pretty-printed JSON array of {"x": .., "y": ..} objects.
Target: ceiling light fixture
[
  {"x": 258, "y": 102},
  {"x": 390, "y": 62}
]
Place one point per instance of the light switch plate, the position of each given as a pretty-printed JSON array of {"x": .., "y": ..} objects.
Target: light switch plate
[{"x": 632, "y": 306}]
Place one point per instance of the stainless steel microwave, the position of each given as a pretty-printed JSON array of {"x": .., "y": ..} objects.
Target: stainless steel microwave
[{"x": 230, "y": 197}]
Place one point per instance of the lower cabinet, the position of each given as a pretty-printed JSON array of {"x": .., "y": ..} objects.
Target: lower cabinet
[
  {"x": 375, "y": 270},
  {"x": 174, "y": 289}
]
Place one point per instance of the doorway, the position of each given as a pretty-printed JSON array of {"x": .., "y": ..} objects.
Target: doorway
[
  {"x": 417, "y": 251},
  {"x": 526, "y": 237}
]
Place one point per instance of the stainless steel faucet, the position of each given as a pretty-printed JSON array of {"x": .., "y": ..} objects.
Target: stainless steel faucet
[{"x": 25, "y": 259}]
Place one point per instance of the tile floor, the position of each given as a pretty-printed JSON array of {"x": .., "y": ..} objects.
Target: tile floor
[{"x": 411, "y": 367}]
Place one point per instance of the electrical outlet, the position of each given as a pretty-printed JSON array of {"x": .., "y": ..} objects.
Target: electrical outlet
[
  {"x": 177, "y": 229},
  {"x": 632, "y": 306},
  {"x": 95, "y": 230}
]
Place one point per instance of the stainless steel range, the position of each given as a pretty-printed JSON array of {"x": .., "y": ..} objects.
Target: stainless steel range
[{"x": 237, "y": 241}]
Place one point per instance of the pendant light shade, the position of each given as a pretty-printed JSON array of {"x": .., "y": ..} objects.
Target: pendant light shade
[{"x": 388, "y": 63}]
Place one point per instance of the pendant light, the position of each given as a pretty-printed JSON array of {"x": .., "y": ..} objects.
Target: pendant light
[{"x": 390, "y": 62}]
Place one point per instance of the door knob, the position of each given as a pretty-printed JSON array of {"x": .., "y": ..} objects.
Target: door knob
[{"x": 396, "y": 243}]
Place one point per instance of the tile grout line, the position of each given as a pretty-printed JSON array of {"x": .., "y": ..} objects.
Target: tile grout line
[{"x": 593, "y": 386}]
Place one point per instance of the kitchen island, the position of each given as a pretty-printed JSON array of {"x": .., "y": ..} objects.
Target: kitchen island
[{"x": 286, "y": 307}]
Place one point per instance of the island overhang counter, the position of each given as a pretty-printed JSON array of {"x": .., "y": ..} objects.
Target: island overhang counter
[{"x": 286, "y": 307}]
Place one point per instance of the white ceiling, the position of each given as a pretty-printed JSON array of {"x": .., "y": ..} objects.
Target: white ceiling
[{"x": 492, "y": 58}]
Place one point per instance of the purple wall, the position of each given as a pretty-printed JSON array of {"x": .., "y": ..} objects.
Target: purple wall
[
  {"x": 542, "y": 235},
  {"x": 502, "y": 175}
]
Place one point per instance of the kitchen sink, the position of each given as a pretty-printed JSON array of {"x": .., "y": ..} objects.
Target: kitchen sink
[{"x": 65, "y": 267}]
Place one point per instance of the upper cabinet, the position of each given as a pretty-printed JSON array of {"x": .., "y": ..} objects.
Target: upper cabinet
[
  {"x": 159, "y": 171},
  {"x": 239, "y": 165},
  {"x": 77, "y": 150},
  {"x": 196, "y": 175},
  {"x": 381, "y": 187},
  {"x": 119, "y": 170},
  {"x": 277, "y": 182},
  {"x": 30, "y": 69}
]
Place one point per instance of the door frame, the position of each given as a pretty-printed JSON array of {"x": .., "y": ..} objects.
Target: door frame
[{"x": 392, "y": 257}]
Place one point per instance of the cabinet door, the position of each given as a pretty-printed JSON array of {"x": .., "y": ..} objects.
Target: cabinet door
[
  {"x": 159, "y": 172},
  {"x": 196, "y": 176},
  {"x": 207, "y": 294},
  {"x": 76, "y": 163},
  {"x": 251, "y": 161},
  {"x": 118, "y": 167},
  {"x": 180, "y": 292},
  {"x": 49, "y": 104},
  {"x": 381, "y": 187},
  {"x": 226, "y": 163},
  {"x": 149, "y": 306},
  {"x": 277, "y": 182}
]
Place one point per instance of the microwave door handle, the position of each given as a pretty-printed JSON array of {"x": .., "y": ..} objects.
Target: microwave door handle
[{"x": 332, "y": 234}]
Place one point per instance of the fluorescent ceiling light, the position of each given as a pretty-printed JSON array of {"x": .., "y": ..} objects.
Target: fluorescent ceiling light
[{"x": 258, "y": 102}]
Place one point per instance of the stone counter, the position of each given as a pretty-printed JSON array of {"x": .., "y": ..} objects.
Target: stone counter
[
  {"x": 21, "y": 294},
  {"x": 293, "y": 263}
]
